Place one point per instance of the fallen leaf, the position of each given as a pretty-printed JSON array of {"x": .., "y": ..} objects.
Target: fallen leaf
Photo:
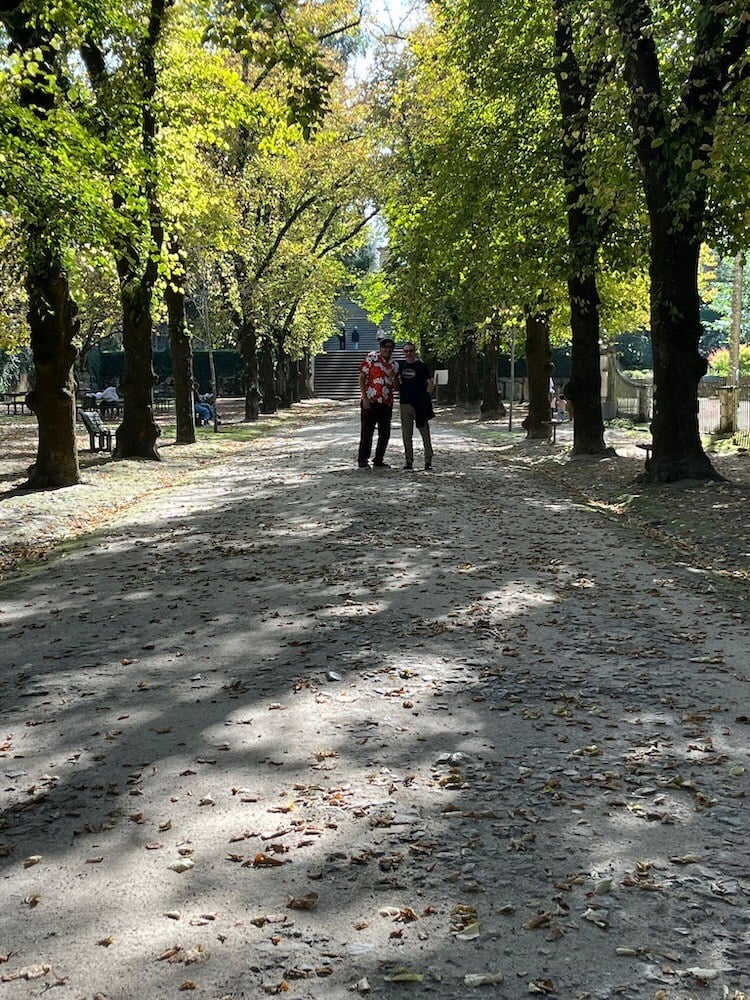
[
  {"x": 182, "y": 865},
  {"x": 539, "y": 920},
  {"x": 32, "y": 860},
  {"x": 27, "y": 972},
  {"x": 541, "y": 986},
  {"x": 404, "y": 976},
  {"x": 106, "y": 942},
  {"x": 469, "y": 933},
  {"x": 598, "y": 917},
  {"x": 307, "y": 902},
  {"x": 264, "y": 861},
  {"x": 483, "y": 979},
  {"x": 698, "y": 973}
]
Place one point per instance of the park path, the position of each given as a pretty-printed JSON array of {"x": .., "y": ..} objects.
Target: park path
[{"x": 312, "y": 731}]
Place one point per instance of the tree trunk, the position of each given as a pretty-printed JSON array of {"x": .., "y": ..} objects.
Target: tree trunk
[
  {"x": 538, "y": 368},
  {"x": 471, "y": 370},
  {"x": 137, "y": 434},
  {"x": 295, "y": 381},
  {"x": 269, "y": 402},
  {"x": 678, "y": 365},
  {"x": 466, "y": 372},
  {"x": 305, "y": 386},
  {"x": 455, "y": 390},
  {"x": 735, "y": 335},
  {"x": 247, "y": 337},
  {"x": 585, "y": 384},
  {"x": 53, "y": 320},
  {"x": 249, "y": 353},
  {"x": 283, "y": 375},
  {"x": 492, "y": 406},
  {"x": 182, "y": 353}
]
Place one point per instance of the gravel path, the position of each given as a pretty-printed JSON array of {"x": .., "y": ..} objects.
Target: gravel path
[{"x": 305, "y": 730}]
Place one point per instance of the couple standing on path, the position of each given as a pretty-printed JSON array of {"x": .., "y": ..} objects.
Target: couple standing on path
[{"x": 379, "y": 377}]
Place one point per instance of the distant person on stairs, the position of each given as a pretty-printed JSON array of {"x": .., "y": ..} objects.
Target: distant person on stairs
[
  {"x": 355, "y": 338},
  {"x": 377, "y": 382},
  {"x": 342, "y": 337}
]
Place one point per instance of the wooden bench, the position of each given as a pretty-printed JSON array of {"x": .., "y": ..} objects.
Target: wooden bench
[
  {"x": 100, "y": 437},
  {"x": 14, "y": 402},
  {"x": 553, "y": 425}
]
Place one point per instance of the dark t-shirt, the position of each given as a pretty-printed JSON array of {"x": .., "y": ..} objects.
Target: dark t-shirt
[{"x": 413, "y": 376}]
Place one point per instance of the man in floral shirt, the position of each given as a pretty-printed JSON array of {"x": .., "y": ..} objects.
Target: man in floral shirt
[{"x": 377, "y": 382}]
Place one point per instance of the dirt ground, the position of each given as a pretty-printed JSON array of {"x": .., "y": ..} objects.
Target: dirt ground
[{"x": 273, "y": 725}]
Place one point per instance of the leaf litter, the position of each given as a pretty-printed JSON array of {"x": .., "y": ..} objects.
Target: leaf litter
[{"x": 604, "y": 730}]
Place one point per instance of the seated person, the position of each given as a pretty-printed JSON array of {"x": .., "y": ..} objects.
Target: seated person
[
  {"x": 203, "y": 412},
  {"x": 108, "y": 399},
  {"x": 204, "y": 408}
]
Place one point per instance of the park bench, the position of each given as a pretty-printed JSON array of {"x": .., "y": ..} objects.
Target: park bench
[
  {"x": 100, "y": 437},
  {"x": 647, "y": 446},
  {"x": 14, "y": 402}
]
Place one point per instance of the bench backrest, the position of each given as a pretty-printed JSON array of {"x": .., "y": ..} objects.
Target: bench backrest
[{"x": 92, "y": 421}]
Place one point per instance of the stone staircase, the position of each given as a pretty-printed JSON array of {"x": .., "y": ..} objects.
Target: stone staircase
[{"x": 336, "y": 373}]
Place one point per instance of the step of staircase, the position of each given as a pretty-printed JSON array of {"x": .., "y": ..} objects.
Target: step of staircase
[{"x": 336, "y": 373}]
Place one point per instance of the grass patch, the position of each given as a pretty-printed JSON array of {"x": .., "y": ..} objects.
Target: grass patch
[
  {"x": 724, "y": 445},
  {"x": 227, "y": 432}
]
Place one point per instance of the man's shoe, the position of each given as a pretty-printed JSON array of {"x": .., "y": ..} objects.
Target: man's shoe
[
  {"x": 381, "y": 465},
  {"x": 408, "y": 465},
  {"x": 363, "y": 465},
  {"x": 427, "y": 466}
]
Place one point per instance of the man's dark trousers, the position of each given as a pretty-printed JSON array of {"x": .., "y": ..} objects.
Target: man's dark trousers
[{"x": 376, "y": 415}]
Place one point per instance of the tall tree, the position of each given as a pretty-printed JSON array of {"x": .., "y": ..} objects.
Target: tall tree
[
  {"x": 674, "y": 107},
  {"x": 52, "y": 312},
  {"x": 125, "y": 84},
  {"x": 577, "y": 88}
]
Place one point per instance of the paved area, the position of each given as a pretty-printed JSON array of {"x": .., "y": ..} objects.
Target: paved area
[{"x": 311, "y": 731}]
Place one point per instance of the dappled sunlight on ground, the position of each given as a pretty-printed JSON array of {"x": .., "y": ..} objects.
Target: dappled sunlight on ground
[{"x": 404, "y": 693}]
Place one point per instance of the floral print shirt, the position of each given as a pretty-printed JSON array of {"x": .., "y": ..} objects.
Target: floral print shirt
[{"x": 381, "y": 378}]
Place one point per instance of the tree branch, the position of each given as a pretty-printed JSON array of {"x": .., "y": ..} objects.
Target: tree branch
[{"x": 350, "y": 235}]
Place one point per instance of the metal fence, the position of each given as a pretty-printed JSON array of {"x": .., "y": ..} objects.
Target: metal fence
[{"x": 634, "y": 398}]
